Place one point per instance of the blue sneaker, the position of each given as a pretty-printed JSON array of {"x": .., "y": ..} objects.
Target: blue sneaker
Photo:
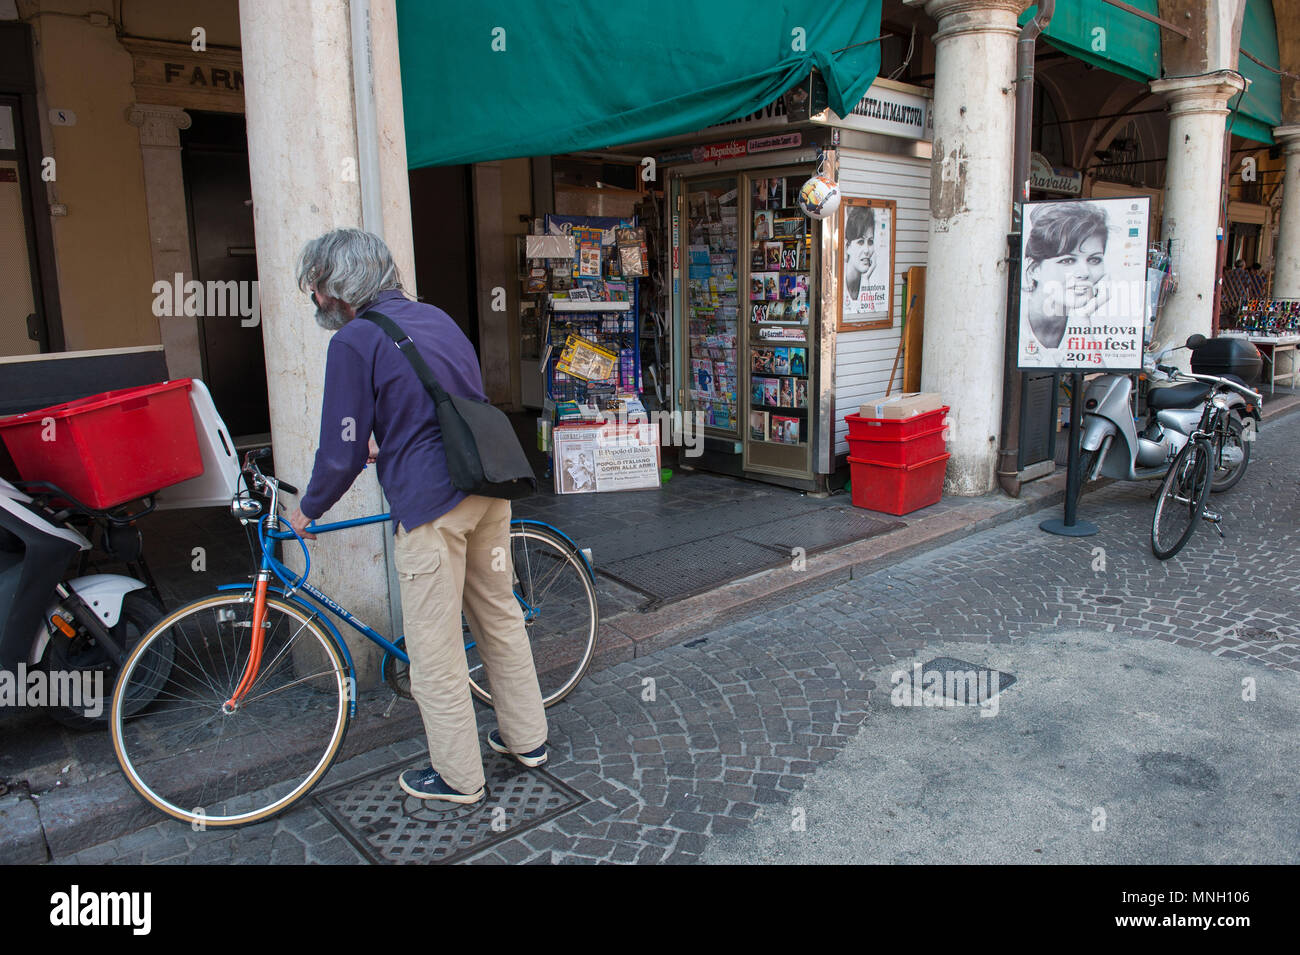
[
  {"x": 530, "y": 759},
  {"x": 427, "y": 784}
]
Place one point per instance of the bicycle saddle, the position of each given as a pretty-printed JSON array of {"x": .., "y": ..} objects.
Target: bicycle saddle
[{"x": 1187, "y": 395}]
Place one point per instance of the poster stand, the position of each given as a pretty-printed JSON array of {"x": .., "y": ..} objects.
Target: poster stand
[{"x": 1070, "y": 525}]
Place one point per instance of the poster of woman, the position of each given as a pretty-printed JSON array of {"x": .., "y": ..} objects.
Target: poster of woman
[
  {"x": 1083, "y": 284},
  {"x": 867, "y": 273}
]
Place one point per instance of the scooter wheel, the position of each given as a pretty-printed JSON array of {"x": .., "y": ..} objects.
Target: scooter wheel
[{"x": 139, "y": 613}]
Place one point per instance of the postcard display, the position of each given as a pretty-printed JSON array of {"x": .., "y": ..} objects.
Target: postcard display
[
  {"x": 779, "y": 307},
  {"x": 592, "y": 353}
]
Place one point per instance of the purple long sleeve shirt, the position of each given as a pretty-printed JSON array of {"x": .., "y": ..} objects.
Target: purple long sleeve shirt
[{"x": 370, "y": 386}]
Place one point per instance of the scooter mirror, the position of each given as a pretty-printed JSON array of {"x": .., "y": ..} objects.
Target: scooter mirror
[{"x": 1195, "y": 341}]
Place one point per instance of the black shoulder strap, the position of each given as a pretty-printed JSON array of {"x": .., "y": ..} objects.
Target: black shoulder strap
[{"x": 407, "y": 348}]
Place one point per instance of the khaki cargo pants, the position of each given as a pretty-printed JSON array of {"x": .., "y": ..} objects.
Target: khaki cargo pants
[{"x": 438, "y": 563}]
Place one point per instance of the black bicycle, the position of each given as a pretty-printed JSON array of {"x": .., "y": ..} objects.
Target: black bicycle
[{"x": 1181, "y": 499}]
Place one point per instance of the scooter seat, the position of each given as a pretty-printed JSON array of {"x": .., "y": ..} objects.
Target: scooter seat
[{"x": 1187, "y": 395}]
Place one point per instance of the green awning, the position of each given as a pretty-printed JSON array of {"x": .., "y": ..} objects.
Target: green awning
[
  {"x": 1261, "y": 108},
  {"x": 1105, "y": 36},
  {"x": 531, "y": 78}
]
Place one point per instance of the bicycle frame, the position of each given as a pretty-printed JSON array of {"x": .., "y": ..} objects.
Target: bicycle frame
[{"x": 290, "y": 591}]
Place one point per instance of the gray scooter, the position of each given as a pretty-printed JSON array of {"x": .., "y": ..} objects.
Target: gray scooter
[{"x": 1112, "y": 446}]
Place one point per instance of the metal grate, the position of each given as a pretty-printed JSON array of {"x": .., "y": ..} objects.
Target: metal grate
[
  {"x": 389, "y": 827},
  {"x": 817, "y": 530},
  {"x": 967, "y": 684},
  {"x": 692, "y": 568}
]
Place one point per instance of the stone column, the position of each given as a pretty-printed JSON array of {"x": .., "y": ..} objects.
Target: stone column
[
  {"x": 169, "y": 225},
  {"x": 302, "y": 148},
  {"x": 1286, "y": 255},
  {"x": 970, "y": 216},
  {"x": 1198, "y": 110}
]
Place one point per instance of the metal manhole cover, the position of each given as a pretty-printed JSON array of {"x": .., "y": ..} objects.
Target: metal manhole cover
[
  {"x": 965, "y": 684},
  {"x": 389, "y": 827}
]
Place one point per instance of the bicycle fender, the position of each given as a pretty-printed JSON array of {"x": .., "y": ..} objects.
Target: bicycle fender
[
  {"x": 315, "y": 613},
  {"x": 564, "y": 537}
]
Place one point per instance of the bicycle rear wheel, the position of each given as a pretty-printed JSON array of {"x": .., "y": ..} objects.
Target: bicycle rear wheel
[
  {"x": 215, "y": 766},
  {"x": 1181, "y": 499},
  {"x": 558, "y": 597}
]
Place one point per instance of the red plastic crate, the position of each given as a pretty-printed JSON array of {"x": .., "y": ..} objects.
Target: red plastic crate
[
  {"x": 894, "y": 429},
  {"x": 899, "y": 454},
  {"x": 109, "y": 448},
  {"x": 897, "y": 490}
]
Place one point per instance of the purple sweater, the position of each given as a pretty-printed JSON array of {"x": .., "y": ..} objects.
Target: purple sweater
[{"x": 368, "y": 380}]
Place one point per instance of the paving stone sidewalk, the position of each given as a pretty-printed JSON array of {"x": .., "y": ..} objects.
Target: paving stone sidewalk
[{"x": 675, "y": 747}]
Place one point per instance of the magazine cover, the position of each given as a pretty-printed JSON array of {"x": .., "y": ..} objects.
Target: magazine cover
[
  {"x": 781, "y": 361},
  {"x": 785, "y": 430},
  {"x": 758, "y": 425},
  {"x": 763, "y": 225},
  {"x": 790, "y": 256},
  {"x": 758, "y": 313},
  {"x": 786, "y": 285},
  {"x": 761, "y": 361},
  {"x": 586, "y": 360},
  {"x": 788, "y": 227},
  {"x": 702, "y": 374},
  {"x": 771, "y": 287},
  {"x": 772, "y": 256},
  {"x": 801, "y": 393},
  {"x": 771, "y": 392},
  {"x": 756, "y": 287},
  {"x": 756, "y": 391},
  {"x": 786, "y": 398},
  {"x": 798, "y": 361},
  {"x": 776, "y": 311}
]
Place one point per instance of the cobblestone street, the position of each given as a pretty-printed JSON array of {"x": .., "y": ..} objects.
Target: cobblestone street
[{"x": 668, "y": 751}]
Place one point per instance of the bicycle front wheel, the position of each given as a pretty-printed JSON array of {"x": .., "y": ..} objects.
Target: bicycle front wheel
[
  {"x": 1181, "y": 499},
  {"x": 558, "y": 598},
  {"x": 213, "y": 765}
]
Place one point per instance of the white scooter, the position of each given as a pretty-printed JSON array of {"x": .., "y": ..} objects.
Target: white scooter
[
  {"x": 54, "y": 632},
  {"x": 1111, "y": 444}
]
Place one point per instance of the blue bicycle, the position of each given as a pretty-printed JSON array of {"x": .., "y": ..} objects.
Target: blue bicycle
[{"x": 259, "y": 691}]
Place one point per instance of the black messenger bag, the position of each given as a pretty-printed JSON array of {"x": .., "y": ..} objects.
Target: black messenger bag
[{"x": 484, "y": 455}]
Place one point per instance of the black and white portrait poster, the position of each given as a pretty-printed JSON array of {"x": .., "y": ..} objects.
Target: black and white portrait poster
[
  {"x": 1083, "y": 278},
  {"x": 867, "y": 269}
]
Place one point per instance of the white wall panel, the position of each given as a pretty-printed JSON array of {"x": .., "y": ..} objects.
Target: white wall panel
[{"x": 863, "y": 359}]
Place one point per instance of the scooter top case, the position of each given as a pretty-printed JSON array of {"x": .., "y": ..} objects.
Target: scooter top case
[
  {"x": 1228, "y": 355},
  {"x": 34, "y": 553}
]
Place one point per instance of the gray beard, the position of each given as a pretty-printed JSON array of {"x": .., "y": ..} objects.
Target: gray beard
[{"x": 331, "y": 319}]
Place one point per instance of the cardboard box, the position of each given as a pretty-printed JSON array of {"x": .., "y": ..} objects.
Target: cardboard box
[{"x": 903, "y": 405}]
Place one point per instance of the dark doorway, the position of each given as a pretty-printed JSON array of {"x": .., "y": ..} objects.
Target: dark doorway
[
  {"x": 442, "y": 232},
  {"x": 214, "y": 153}
]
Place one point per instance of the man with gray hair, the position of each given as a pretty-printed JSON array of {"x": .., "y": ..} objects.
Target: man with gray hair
[{"x": 445, "y": 539}]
